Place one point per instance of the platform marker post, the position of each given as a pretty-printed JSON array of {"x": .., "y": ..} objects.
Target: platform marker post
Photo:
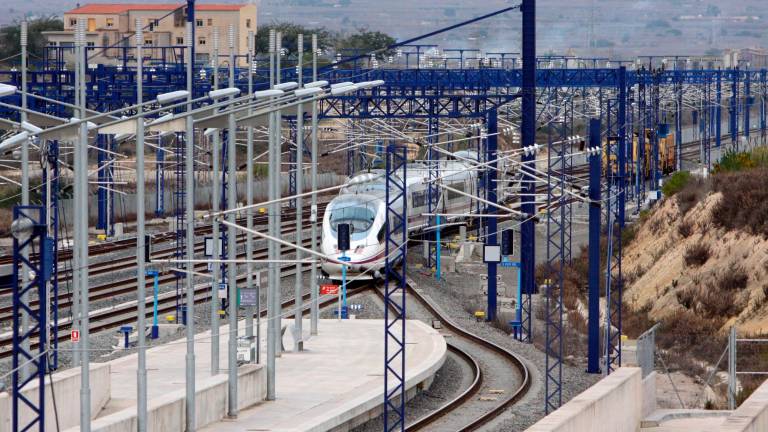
[{"x": 298, "y": 343}]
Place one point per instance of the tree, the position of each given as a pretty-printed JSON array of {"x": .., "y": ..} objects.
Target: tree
[
  {"x": 290, "y": 31},
  {"x": 365, "y": 41},
  {"x": 10, "y": 37}
]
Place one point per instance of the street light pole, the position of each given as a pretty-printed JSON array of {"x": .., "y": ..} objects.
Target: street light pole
[
  {"x": 141, "y": 372},
  {"x": 298, "y": 343},
  {"x": 189, "y": 190},
  {"x": 315, "y": 306},
  {"x": 81, "y": 238},
  {"x": 232, "y": 238},
  {"x": 253, "y": 348},
  {"x": 272, "y": 221},
  {"x": 216, "y": 204}
]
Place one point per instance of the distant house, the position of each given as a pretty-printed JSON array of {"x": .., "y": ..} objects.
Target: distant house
[
  {"x": 112, "y": 25},
  {"x": 757, "y": 58}
]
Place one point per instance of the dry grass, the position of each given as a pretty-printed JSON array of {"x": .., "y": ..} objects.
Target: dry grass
[
  {"x": 745, "y": 201},
  {"x": 696, "y": 255}
]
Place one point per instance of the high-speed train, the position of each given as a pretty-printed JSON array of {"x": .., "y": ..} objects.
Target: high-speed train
[{"x": 362, "y": 204}]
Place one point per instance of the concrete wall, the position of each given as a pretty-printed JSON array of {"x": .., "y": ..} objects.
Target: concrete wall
[
  {"x": 752, "y": 415},
  {"x": 66, "y": 387},
  {"x": 649, "y": 395},
  {"x": 167, "y": 414},
  {"x": 611, "y": 405}
]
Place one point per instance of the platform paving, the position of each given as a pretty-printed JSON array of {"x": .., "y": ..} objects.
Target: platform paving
[{"x": 338, "y": 377}]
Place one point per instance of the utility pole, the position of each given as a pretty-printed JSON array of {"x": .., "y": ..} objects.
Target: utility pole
[
  {"x": 216, "y": 204},
  {"x": 232, "y": 237},
  {"x": 250, "y": 310},
  {"x": 315, "y": 306},
  {"x": 141, "y": 372},
  {"x": 189, "y": 197},
  {"x": 273, "y": 220},
  {"x": 81, "y": 235},
  {"x": 298, "y": 343}
]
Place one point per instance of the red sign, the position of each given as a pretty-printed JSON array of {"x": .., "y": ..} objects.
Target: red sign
[
  {"x": 329, "y": 289},
  {"x": 74, "y": 335}
]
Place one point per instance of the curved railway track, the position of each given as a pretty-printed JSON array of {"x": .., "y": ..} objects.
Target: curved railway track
[{"x": 485, "y": 359}]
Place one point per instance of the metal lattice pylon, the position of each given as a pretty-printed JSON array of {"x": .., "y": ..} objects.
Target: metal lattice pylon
[
  {"x": 30, "y": 233},
  {"x": 557, "y": 226},
  {"x": 394, "y": 288},
  {"x": 615, "y": 200}
]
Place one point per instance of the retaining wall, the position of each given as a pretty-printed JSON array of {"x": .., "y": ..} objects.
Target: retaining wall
[
  {"x": 66, "y": 387},
  {"x": 751, "y": 415},
  {"x": 614, "y": 404},
  {"x": 167, "y": 413}
]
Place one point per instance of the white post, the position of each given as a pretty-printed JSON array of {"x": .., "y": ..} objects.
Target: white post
[
  {"x": 81, "y": 238},
  {"x": 141, "y": 372},
  {"x": 232, "y": 238},
  {"x": 189, "y": 190},
  {"x": 253, "y": 357},
  {"x": 298, "y": 343},
  {"x": 216, "y": 204},
  {"x": 273, "y": 220},
  {"x": 315, "y": 296}
]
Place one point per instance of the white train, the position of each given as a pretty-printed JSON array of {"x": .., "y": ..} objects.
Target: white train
[{"x": 362, "y": 204}]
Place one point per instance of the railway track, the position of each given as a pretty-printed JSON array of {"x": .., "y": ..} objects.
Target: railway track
[
  {"x": 125, "y": 313},
  {"x": 490, "y": 365}
]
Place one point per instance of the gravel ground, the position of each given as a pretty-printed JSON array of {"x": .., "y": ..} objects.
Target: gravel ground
[{"x": 456, "y": 299}]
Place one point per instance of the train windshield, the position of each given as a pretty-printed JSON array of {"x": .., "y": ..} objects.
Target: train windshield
[{"x": 359, "y": 218}]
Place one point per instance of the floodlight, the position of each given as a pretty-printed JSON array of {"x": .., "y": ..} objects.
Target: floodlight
[
  {"x": 225, "y": 92},
  {"x": 13, "y": 142},
  {"x": 210, "y": 131},
  {"x": 314, "y": 84},
  {"x": 7, "y": 90},
  {"x": 165, "y": 98},
  {"x": 344, "y": 90},
  {"x": 341, "y": 84},
  {"x": 267, "y": 93},
  {"x": 29, "y": 127},
  {"x": 308, "y": 91},
  {"x": 287, "y": 86}
]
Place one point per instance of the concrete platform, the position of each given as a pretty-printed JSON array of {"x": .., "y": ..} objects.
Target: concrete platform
[{"x": 337, "y": 382}]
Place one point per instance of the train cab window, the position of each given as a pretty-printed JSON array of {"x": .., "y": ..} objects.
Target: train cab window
[
  {"x": 359, "y": 218},
  {"x": 382, "y": 234}
]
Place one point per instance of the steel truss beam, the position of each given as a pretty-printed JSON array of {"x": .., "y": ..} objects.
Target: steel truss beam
[
  {"x": 29, "y": 365},
  {"x": 396, "y": 247}
]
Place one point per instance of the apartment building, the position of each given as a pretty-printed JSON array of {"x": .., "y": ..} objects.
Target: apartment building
[{"x": 112, "y": 25}]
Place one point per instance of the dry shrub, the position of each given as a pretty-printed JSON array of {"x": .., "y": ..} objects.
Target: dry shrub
[
  {"x": 686, "y": 297},
  {"x": 696, "y": 255},
  {"x": 745, "y": 201},
  {"x": 732, "y": 278},
  {"x": 691, "y": 194},
  {"x": 685, "y": 229},
  {"x": 712, "y": 302}
]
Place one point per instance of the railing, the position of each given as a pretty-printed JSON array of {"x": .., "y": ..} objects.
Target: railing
[{"x": 646, "y": 350}]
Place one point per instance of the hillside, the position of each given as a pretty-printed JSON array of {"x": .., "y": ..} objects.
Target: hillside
[{"x": 696, "y": 256}]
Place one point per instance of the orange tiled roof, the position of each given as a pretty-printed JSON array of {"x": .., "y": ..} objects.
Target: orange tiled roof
[{"x": 116, "y": 8}]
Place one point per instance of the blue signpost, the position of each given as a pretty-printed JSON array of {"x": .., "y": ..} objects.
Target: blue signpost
[
  {"x": 155, "y": 329},
  {"x": 343, "y": 311}
]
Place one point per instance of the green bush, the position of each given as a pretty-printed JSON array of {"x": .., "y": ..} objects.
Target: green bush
[{"x": 676, "y": 183}]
